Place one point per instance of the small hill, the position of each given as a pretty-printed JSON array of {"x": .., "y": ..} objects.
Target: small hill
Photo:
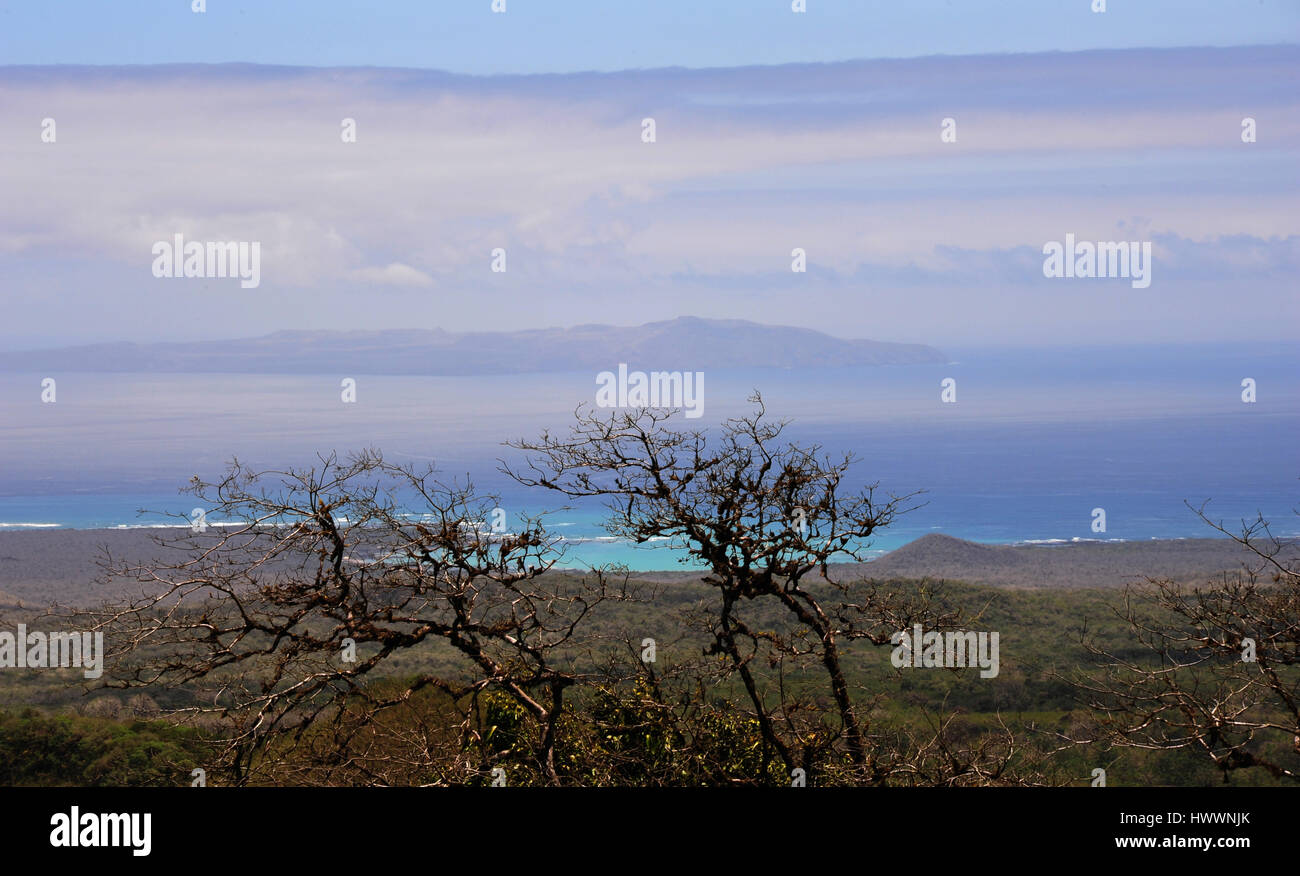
[
  {"x": 1073, "y": 564},
  {"x": 942, "y": 556}
]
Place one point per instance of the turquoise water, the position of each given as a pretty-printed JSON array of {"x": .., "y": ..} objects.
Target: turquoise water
[{"x": 1034, "y": 442}]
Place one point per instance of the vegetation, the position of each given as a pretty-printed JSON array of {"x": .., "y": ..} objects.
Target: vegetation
[
  {"x": 39, "y": 749},
  {"x": 334, "y": 638},
  {"x": 1217, "y": 672}
]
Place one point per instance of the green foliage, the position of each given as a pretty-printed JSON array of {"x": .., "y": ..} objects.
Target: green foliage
[
  {"x": 38, "y": 749},
  {"x": 632, "y": 733}
]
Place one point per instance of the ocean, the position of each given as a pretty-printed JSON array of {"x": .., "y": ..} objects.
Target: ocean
[{"x": 1035, "y": 440}]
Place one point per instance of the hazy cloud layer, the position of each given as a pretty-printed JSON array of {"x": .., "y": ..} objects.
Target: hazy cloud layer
[{"x": 908, "y": 238}]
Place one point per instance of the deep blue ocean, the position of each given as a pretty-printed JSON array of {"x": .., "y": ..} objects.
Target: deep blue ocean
[{"x": 1033, "y": 443}]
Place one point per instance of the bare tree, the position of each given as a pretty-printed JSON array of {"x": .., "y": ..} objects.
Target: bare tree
[
  {"x": 321, "y": 576},
  {"x": 767, "y": 522},
  {"x": 311, "y": 631},
  {"x": 1217, "y": 665}
]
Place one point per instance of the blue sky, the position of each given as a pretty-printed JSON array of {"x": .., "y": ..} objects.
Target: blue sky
[{"x": 548, "y": 36}]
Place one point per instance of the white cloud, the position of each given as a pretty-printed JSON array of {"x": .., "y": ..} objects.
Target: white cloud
[
  {"x": 395, "y": 274},
  {"x": 602, "y": 227}
]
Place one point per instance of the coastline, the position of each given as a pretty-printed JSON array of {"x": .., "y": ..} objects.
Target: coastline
[{"x": 43, "y": 565}]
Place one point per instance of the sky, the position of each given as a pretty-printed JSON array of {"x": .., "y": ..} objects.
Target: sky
[
  {"x": 564, "y": 36},
  {"x": 822, "y": 131}
]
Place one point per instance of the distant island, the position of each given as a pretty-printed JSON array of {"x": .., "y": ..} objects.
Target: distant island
[{"x": 683, "y": 343}]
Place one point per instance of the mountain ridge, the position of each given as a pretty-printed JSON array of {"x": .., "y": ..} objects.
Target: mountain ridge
[{"x": 684, "y": 343}]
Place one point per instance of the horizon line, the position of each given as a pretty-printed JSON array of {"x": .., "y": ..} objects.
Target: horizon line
[{"x": 678, "y": 68}]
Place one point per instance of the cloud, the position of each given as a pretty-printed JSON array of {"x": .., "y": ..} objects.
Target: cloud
[
  {"x": 395, "y": 274},
  {"x": 844, "y": 160}
]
